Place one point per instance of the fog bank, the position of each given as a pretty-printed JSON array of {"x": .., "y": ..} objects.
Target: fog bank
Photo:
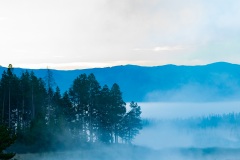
[
  {"x": 190, "y": 125},
  {"x": 158, "y": 110}
]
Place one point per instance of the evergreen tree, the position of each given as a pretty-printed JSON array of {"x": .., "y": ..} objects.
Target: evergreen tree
[
  {"x": 37, "y": 88},
  {"x": 49, "y": 81},
  {"x": 58, "y": 123},
  {"x": 105, "y": 124},
  {"x": 39, "y": 137},
  {"x": 131, "y": 123},
  {"x": 117, "y": 111},
  {"x": 79, "y": 97},
  {"x": 6, "y": 140},
  {"x": 36, "y": 135},
  {"x": 10, "y": 98},
  {"x": 93, "y": 106},
  {"x": 4, "y": 83},
  {"x": 39, "y": 96},
  {"x": 68, "y": 109},
  {"x": 25, "y": 109}
]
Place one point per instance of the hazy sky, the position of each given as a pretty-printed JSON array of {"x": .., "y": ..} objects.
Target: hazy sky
[{"x": 67, "y": 34}]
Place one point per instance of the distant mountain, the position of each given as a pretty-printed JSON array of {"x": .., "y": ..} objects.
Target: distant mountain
[{"x": 212, "y": 82}]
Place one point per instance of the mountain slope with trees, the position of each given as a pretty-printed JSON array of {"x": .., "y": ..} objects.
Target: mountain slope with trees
[
  {"x": 217, "y": 81},
  {"x": 44, "y": 119}
]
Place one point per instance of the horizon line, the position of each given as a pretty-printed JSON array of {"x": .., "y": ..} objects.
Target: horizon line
[{"x": 69, "y": 68}]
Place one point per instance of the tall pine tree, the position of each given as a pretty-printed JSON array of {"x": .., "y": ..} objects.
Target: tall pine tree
[{"x": 6, "y": 140}]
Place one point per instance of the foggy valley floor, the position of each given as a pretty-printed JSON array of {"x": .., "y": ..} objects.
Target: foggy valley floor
[
  {"x": 135, "y": 153},
  {"x": 207, "y": 134}
]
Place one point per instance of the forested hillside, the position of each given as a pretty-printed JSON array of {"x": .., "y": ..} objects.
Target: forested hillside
[
  {"x": 43, "y": 119},
  {"x": 212, "y": 82}
]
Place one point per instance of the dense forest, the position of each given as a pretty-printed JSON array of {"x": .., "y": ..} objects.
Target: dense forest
[
  {"x": 44, "y": 119},
  {"x": 230, "y": 120}
]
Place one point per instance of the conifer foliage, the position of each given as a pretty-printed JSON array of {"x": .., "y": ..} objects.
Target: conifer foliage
[
  {"x": 6, "y": 140},
  {"x": 43, "y": 118}
]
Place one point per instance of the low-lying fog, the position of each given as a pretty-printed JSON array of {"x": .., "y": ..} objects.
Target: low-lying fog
[
  {"x": 167, "y": 133},
  {"x": 170, "y": 110},
  {"x": 174, "y": 131}
]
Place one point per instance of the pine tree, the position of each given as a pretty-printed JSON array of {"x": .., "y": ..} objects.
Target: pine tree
[
  {"x": 39, "y": 96},
  {"x": 49, "y": 80},
  {"x": 6, "y": 140},
  {"x": 93, "y": 103},
  {"x": 131, "y": 123},
  {"x": 105, "y": 124},
  {"x": 4, "y": 83},
  {"x": 79, "y": 97},
  {"x": 67, "y": 109},
  {"x": 39, "y": 137},
  {"x": 37, "y": 134},
  {"x": 10, "y": 98},
  {"x": 117, "y": 111},
  {"x": 25, "y": 104}
]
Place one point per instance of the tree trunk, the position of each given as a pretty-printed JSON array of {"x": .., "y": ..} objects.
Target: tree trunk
[
  {"x": 3, "y": 109},
  {"x": 9, "y": 107},
  {"x": 90, "y": 124},
  {"x": 33, "y": 107}
]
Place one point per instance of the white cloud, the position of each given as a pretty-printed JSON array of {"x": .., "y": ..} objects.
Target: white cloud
[
  {"x": 3, "y": 18},
  {"x": 64, "y": 66},
  {"x": 108, "y": 30},
  {"x": 163, "y": 48}
]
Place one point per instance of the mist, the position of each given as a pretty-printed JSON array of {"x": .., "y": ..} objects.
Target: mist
[
  {"x": 173, "y": 110},
  {"x": 168, "y": 124},
  {"x": 176, "y": 131},
  {"x": 192, "y": 130},
  {"x": 168, "y": 134}
]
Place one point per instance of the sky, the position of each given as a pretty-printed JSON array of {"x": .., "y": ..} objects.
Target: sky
[{"x": 76, "y": 34}]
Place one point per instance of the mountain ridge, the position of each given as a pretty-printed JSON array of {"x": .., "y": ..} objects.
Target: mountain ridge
[{"x": 212, "y": 82}]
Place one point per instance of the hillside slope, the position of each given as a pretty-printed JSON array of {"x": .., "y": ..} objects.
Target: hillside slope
[{"x": 212, "y": 82}]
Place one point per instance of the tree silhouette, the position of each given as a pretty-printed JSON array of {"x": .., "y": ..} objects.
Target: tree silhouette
[{"x": 6, "y": 140}]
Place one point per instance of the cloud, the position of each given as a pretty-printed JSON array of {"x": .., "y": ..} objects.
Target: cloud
[
  {"x": 167, "y": 48},
  {"x": 109, "y": 30},
  {"x": 67, "y": 66},
  {"x": 58, "y": 56},
  {"x": 75, "y": 65},
  {"x": 3, "y": 18},
  {"x": 163, "y": 48}
]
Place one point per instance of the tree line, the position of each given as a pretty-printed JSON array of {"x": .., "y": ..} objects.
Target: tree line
[
  {"x": 229, "y": 120},
  {"x": 44, "y": 119}
]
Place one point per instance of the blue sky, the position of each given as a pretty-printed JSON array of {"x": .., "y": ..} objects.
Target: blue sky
[{"x": 70, "y": 34}]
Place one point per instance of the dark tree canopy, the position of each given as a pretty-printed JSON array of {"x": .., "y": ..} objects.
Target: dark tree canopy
[
  {"x": 45, "y": 119},
  {"x": 6, "y": 140}
]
